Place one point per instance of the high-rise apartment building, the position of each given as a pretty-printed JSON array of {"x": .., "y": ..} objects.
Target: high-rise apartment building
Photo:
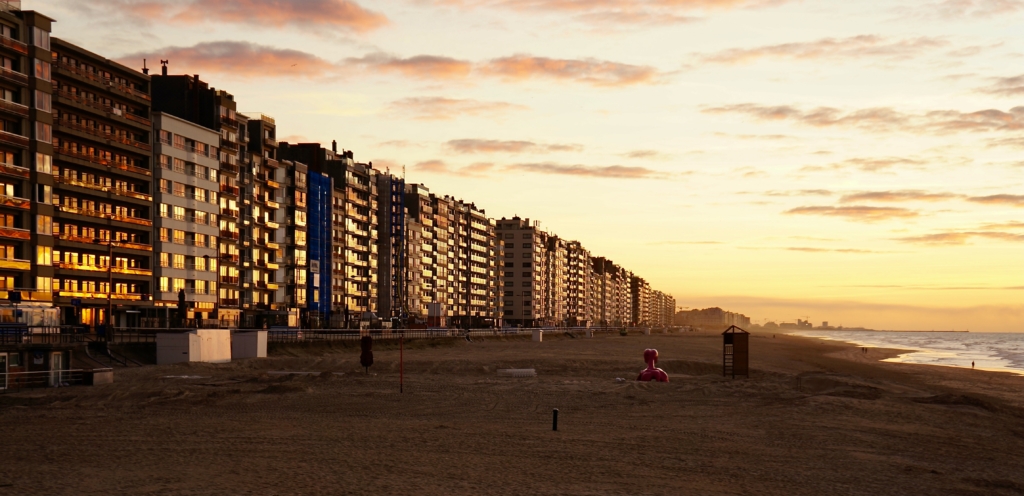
[
  {"x": 524, "y": 272},
  {"x": 579, "y": 285},
  {"x": 476, "y": 267},
  {"x": 26, "y": 160},
  {"x": 556, "y": 291},
  {"x": 261, "y": 200},
  {"x": 354, "y": 236},
  {"x": 187, "y": 208},
  {"x": 102, "y": 179}
]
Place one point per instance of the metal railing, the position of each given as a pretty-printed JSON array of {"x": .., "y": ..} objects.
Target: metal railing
[{"x": 12, "y": 382}]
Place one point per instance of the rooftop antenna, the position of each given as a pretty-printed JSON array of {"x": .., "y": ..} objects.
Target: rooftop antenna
[
  {"x": 145, "y": 70},
  {"x": 164, "y": 64}
]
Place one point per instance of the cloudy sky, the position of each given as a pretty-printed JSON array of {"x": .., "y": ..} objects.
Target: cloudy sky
[{"x": 856, "y": 162}]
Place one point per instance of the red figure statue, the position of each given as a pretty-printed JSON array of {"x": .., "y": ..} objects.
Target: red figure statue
[{"x": 652, "y": 373}]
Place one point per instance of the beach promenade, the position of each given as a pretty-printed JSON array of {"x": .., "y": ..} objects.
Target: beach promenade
[{"x": 813, "y": 418}]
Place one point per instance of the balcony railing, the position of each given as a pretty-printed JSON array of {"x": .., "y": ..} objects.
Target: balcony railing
[
  {"x": 226, "y": 167},
  {"x": 105, "y": 135},
  {"x": 13, "y": 76},
  {"x": 224, "y": 212},
  {"x": 98, "y": 295},
  {"x": 14, "y": 263},
  {"x": 228, "y": 234},
  {"x": 105, "y": 215},
  {"x": 229, "y": 280},
  {"x": 14, "y": 108},
  {"x": 231, "y": 190},
  {"x": 102, "y": 268},
  {"x": 102, "y": 81},
  {"x": 14, "y": 170},
  {"x": 27, "y": 294},
  {"x": 105, "y": 189},
  {"x": 14, "y": 45},
  {"x": 229, "y": 302},
  {"x": 15, "y": 202},
  {"x": 15, "y": 233},
  {"x": 224, "y": 257},
  {"x": 13, "y": 139},
  {"x": 105, "y": 108},
  {"x": 104, "y": 162}
]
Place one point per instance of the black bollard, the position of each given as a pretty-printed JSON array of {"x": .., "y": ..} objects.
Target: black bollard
[{"x": 554, "y": 419}]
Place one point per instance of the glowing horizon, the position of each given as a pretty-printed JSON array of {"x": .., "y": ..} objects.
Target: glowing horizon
[{"x": 857, "y": 163}]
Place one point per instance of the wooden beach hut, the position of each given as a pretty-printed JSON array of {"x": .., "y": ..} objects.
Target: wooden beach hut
[{"x": 735, "y": 352}]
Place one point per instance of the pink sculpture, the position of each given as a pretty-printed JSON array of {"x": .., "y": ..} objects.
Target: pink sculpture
[{"x": 652, "y": 373}]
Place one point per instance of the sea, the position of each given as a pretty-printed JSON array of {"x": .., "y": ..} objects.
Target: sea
[{"x": 996, "y": 351}]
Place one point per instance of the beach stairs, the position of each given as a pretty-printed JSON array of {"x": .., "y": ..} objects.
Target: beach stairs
[
  {"x": 99, "y": 352},
  {"x": 727, "y": 361}
]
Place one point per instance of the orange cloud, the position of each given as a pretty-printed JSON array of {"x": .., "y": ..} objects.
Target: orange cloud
[
  {"x": 856, "y": 47},
  {"x": 897, "y": 196},
  {"x": 959, "y": 9},
  {"x": 808, "y": 249},
  {"x": 330, "y": 14},
  {"x": 1011, "y": 200},
  {"x": 961, "y": 237},
  {"x": 433, "y": 166},
  {"x": 616, "y": 12},
  {"x": 883, "y": 119},
  {"x": 237, "y": 58},
  {"x": 590, "y": 71},
  {"x": 418, "y": 67},
  {"x": 439, "y": 108},
  {"x": 645, "y": 154},
  {"x": 859, "y": 213},
  {"x": 612, "y": 171},
  {"x": 499, "y": 146}
]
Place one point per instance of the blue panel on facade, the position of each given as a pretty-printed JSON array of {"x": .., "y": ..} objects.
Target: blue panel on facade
[{"x": 319, "y": 234}]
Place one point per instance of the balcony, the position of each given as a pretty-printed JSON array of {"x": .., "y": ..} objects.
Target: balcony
[
  {"x": 13, "y": 139},
  {"x": 104, "y": 215},
  {"x": 271, "y": 142},
  {"x": 15, "y": 233},
  {"x": 105, "y": 135},
  {"x": 273, "y": 246},
  {"x": 225, "y": 257},
  {"x": 229, "y": 302},
  {"x": 273, "y": 266},
  {"x": 273, "y": 225},
  {"x": 228, "y": 234},
  {"x": 228, "y": 167},
  {"x": 14, "y": 108},
  {"x": 13, "y": 76},
  {"x": 14, "y": 170},
  {"x": 272, "y": 286},
  {"x": 27, "y": 294},
  {"x": 98, "y": 295},
  {"x": 105, "y": 189},
  {"x": 272, "y": 204},
  {"x": 88, "y": 102},
  {"x": 106, "y": 163},
  {"x": 16, "y": 264},
  {"x": 15, "y": 202},
  {"x": 224, "y": 212},
  {"x": 229, "y": 280},
  {"x": 231, "y": 190},
  {"x": 132, "y": 271},
  {"x": 273, "y": 184},
  {"x": 102, "y": 81},
  {"x": 14, "y": 44}
]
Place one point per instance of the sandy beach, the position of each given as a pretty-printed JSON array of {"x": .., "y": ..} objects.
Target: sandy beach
[{"x": 814, "y": 417}]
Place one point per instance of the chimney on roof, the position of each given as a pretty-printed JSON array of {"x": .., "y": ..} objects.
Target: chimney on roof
[
  {"x": 145, "y": 70},
  {"x": 164, "y": 64},
  {"x": 334, "y": 146}
]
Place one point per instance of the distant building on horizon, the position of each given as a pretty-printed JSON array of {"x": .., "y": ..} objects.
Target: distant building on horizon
[{"x": 712, "y": 318}]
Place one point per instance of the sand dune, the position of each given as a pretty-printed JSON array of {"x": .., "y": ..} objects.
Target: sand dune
[{"x": 813, "y": 418}]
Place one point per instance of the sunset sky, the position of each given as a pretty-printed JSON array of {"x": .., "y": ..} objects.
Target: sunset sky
[{"x": 856, "y": 162}]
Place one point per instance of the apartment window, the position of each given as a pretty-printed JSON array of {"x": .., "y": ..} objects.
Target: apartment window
[
  {"x": 509, "y": 255},
  {"x": 179, "y": 261},
  {"x": 200, "y": 263},
  {"x": 179, "y": 189},
  {"x": 179, "y": 166},
  {"x": 42, "y": 70},
  {"x": 527, "y": 236},
  {"x": 41, "y": 38},
  {"x": 43, "y": 101},
  {"x": 526, "y": 284},
  {"x": 179, "y": 213},
  {"x": 164, "y": 210},
  {"x": 165, "y": 234},
  {"x": 179, "y": 284},
  {"x": 44, "y": 255},
  {"x": 527, "y": 313},
  {"x": 510, "y": 245},
  {"x": 179, "y": 237},
  {"x": 527, "y": 255},
  {"x": 526, "y": 265},
  {"x": 179, "y": 141},
  {"x": 509, "y": 274},
  {"x": 44, "y": 224},
  {"x": 165, "y": 137},
  {"x": 44, "y": 194},
  {"x": 508, "y": 284},
  {"x": 165, "y": 284},
  {"x": 528, "y": 245},
  {"x": 508, "y": 313},
  {"x": 200, "y": 217},
  {"x": 44, "y": 132},
  {"x": 510, "y": 236},
  {"x": 44, "y": 163},
  {"x": 527, "y": 294},
  {"x": 508, "y": 293},
  {"x": 165, "y": 260},
  {"x": 44, "y": 284},
  {"x": 527, "y": 274},
  {"x": 509, "y": 265}
]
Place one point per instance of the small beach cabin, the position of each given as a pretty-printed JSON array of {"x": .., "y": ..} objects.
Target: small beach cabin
[{"x": 735, "y": 352}]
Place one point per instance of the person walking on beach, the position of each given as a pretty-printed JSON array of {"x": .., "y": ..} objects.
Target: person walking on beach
[{"x": 972, "y": 364}]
